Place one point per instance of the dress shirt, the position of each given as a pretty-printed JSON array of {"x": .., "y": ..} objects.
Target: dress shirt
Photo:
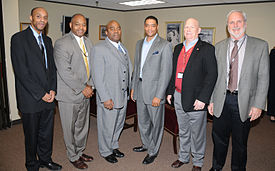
[
  {"x": 190, "y": 45},
  {"x": 42, "y": 41},
  {"x": 116, "y": 45},
  {"x": 145, "y": 49},
  {"x": 241, "y": 51},
  {"x": 78, "y": 41}
]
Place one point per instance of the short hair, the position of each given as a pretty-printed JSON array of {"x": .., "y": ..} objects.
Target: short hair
[
  {"x": 77, "y": 15},
  {"x": 35, "y": 9},
  {"x": 239, "y": 11},
  {"x": 151, "y": 17}
]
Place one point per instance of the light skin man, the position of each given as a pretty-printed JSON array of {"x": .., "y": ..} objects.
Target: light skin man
[{"x": 244, "y": 63}]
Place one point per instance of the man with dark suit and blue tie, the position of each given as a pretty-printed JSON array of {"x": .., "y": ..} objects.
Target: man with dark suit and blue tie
[
  {"x": 35, "y": 81},
  {"x": 152, "y": 72},
  {"x": 240, "y": 92}
]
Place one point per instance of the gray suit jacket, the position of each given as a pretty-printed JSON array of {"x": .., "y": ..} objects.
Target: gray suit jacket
[
  {"x": 156, "y": 71},
  {"x": 254, "y": 77},
  {"x": 111, "y": 71},
  {"x": 71, "y": 70}
]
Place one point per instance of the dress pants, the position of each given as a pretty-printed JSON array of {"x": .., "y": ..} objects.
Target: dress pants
[
  {"x": 109, "y": 126},
  {"x": 192, "y": 133},
  {"x": 75, "y": 123},
  {"x": 230, "y": 122},
  {"x": 150, "y": 123},
  {"x": 38, "y": 131}
]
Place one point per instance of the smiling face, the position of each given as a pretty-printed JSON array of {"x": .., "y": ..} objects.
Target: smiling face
[
  {"x": 191, "y": 29},
  {"x": 151, "y": 28},
  {"x": 78, "y": 25},
  {"x": 113, "y": 31},
  {"x": 236, "y": 25},
  {"x": 39, "y": 19}
]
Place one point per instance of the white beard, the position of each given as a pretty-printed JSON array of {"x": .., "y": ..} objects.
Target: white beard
[{"x": 236, "y": 35}]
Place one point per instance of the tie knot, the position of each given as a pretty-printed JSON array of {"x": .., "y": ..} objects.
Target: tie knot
[{"x": 236, "y": 41}]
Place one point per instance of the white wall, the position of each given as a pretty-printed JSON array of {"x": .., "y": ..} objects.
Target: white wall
[{"x": 260, "y": 24}]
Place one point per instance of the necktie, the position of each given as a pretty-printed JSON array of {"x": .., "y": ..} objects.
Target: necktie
[
  {"x": 42, "y": 50},
  {"x": 85, "y": 57},
  {"x": 233, "y": 68},
  {"x": 120, "y": 49}
]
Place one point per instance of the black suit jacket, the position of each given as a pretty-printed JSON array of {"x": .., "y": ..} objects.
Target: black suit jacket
[
  {"x": 199, "y": 76},
  {"x": 32, "y": 80}
]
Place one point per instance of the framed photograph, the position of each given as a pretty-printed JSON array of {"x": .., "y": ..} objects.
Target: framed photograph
[
  {"x": 174, "y": 32},
  {"x": 102, "y": 34},
  {"x": 23, "y": 26},
  {"x": 207, "y": 34}
]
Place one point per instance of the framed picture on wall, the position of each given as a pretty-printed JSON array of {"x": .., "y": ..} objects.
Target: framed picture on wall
[
  {"x": 23, "y": 26},
  {"x": 207, "y": 34},
  {"x": 102, "y": 34},
  {"x": 174, "y": 32}
]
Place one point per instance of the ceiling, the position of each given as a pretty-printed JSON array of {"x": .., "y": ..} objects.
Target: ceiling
[{"x": 114, "y": 4}]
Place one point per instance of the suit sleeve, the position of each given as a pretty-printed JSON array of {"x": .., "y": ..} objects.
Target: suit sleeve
[
  {"x": 53, "y": 76},
  {"x": 211, "y": 74},
  {"x": 98, "y": 71},
  {"x": 263, "y": 79},
  {"x": 136, "y": 65},
  {"x": 91, "y": 80},
  {"x": 21, "y": 70},
  {"x": 62, "y": 59},
  {"x": 165, "y": 71}
]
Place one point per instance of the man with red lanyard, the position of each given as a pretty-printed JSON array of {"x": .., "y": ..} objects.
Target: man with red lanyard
[{"x": 192, "y": 82}]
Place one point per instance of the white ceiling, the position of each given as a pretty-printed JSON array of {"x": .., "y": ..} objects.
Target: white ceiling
[{"x": 114, "y": 4}]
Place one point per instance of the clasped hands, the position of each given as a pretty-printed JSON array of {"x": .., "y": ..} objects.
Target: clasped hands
[
  {"x": 88, "y": 91},
  {"x": 49, "y": 97}
]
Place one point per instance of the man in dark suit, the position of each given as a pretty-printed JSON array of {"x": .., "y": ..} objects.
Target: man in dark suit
[
  {"x": 35, "y": 81},
  {"x": 240, "y": 93},
  {"x": 152, "y": 72},
  {"x": 193, "y": 79},
  {"x": 72, "y": 55}
]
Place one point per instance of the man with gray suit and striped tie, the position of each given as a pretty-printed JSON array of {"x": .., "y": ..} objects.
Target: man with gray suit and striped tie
[{"x": 111, "y": 70}]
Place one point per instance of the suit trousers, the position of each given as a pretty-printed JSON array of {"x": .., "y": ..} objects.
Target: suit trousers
[
  {"x": 230, "y": 122},
  {"x": 192, "y": 133},
  {"x": 38, "y": 131},
  {"x": 109, "y": 126},
  {"x": 75, "y": 124},
  {"x": 150, "y": 123}
]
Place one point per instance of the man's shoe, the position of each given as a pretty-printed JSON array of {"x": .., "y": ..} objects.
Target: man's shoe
[
  {"x": 111, "y": 158},
  {"x": 79, "y": 164},
  {"x": 196, "y": 168},
  {"x": 139, "y": 149},
  {"x": 117, "y": 153},
  {"x": 215, "y": 169},
  {"x": 177, "y": 164},
  {"x": 50, "y": 165},
  {"x": 86, "y": 158},
  {"x": 149, "y": 159}
]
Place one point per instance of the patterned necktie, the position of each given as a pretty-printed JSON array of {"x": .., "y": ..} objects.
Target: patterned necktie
[
  {"x": 42, "y": 50},
  {"x": 233, "y": 68},
  {"x": 120, "y": 49},
  {"x": 85, "y": 57}
]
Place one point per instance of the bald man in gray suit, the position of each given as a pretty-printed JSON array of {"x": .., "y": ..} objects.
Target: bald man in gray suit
[
  {"x": 240, "y": 92},
  {"x": 152, "y": 72},
  {"x": 112, "y": 69}
]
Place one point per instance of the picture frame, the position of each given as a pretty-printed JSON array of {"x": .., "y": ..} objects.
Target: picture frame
[
  {"x": 174, "y": 32},
  {"x": 102, "y": 34},
  {"x": 23, "y": 26},
  {"x": 207, "y": 34}
]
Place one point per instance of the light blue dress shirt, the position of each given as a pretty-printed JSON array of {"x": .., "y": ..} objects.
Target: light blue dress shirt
[{"x": 190, "y": 45}]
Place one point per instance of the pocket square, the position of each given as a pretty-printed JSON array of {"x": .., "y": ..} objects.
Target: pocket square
[{"x": 156, "y": 52}]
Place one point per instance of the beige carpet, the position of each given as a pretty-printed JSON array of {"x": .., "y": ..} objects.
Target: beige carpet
[{"x": 261, "y": 150}]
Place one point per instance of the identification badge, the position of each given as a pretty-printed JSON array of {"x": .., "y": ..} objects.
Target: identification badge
[{"x": 180, "y": 75}]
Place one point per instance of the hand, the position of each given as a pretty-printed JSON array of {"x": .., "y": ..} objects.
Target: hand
[
  {"x": 155, "y": 102},
  {"x": 198, "y": 105},
  {"x": 254, "y": 113},
  {"x": 47, "y": 97},
  {"x": 132, "y": 95},
  {"x": 52, "y": 93},
  {"x": 88, "y": 91},
  {"x": 168, "y": 98},
  {"x": 109, "y": 104},
  {"x": 210, "y": 108}
]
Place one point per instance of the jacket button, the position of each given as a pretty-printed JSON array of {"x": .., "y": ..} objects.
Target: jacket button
[{"x": 123, "y": 80}]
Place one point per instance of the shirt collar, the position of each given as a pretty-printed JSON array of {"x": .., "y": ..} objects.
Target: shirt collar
[
  {"x": 240, "y": 40},
  {"x": 191, "y": 44},
  {"x": 114, "y": 43},
  {"x": 151, "y": 41},
  {"x": 35, "y": 33},
  {"x": 78, "y": 38}
]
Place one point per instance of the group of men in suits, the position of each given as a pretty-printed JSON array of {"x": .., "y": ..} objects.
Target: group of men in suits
[{"x": 236, "y": 71}]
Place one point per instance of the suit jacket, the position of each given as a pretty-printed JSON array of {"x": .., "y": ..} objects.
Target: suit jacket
[
  {"x": 32, "y": 81},
  {"x": 156, "y": 71},
  {"x": 71, "y": 70},
  {"x": 200, "y": 75},
  {"x": 253, "y": 81},
  {"x": 112, "y": 71}
]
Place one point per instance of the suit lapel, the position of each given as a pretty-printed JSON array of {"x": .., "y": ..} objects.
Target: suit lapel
[
  {"x": 193, "y": 55},
  {"x": 248, "y": 52},
  {"x": 116, "y": 53},
  {"x": 152, "y": 49}
]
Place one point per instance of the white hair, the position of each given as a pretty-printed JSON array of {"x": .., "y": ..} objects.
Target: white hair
[{"x": 239, "y": 11}]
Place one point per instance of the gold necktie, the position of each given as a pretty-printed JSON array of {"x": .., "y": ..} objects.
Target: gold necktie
[{"x": 85, "y": 57}]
